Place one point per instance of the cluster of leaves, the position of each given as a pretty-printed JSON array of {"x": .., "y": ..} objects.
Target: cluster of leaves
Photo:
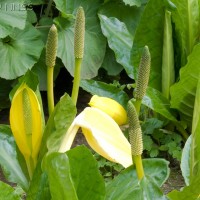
[
  {"x": 109, "y": 170},
  {"x": 158, "y": 142}
]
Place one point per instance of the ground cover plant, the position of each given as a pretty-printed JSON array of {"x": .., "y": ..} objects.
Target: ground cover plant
[{"x": 158, "y": 50}]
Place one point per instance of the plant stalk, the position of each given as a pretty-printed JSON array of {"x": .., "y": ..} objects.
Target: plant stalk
[
  {"x": 77, "y": 78},
  {"x": 139, "y": 166},
  {"x": 181, "y": 130},
  {"x": 48, "y": 8},
  {"x": 50, "y": 93},
  {"x": 30, "y": 166}
]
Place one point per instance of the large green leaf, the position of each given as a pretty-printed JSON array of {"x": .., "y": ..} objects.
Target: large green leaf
[
  {"x": 186, "y": 19},
  {"x": 150, "y": 190},
  {"x": 119, "y": 40},
  {"x": 74, "y": 175},
  {"x": 150, "y": 32},
  {"x": 60, "y": 180},
  {"x": 112, "y": 67},
  {"x": 125, "y": 185},
  {"x": 61, "y": 5},
  {"x": 10, "y": 158},
  {"x": 95, "y": 43},
  {"x": 87, "y": 180},
  {"x": 130, "y": 16},
  {"x": 39, "y": 187},
  {"x": 195, "y": 144},
  {"x": 183, "y": 92},
  {"x": 157, "y": 102},
  {"x": 57, "y": 125},
  {"x": 19, "y": 52},
  {"x": 7, "y": 192},
  {"x": 106, "y": 90},
  {"x": 12, "y": 15}
]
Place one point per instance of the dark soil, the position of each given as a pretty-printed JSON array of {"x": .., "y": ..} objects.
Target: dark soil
[{"x": 174, "y": 182}]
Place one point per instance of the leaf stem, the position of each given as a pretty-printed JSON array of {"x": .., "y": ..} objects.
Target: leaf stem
[
  {"x": 50, "y": 93},
  {"x": 139, "y": 166},
  {"x": 76, "y": 83},
  {"x": 48, "y": 8},
  {"x": 181, "y": 130}
]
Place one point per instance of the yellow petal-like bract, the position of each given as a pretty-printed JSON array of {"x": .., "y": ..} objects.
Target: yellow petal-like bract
[
  {"x": 26, "y": 121},
  {"x": 103, "y": 135},
  {"x": 111, "y": 107}
]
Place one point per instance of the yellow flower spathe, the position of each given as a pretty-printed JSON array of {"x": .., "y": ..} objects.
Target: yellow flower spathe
[
  {"x": 26, "y": 121},
  {"x": 102, "y": 134},
  {"x": 111, "y": 107}
]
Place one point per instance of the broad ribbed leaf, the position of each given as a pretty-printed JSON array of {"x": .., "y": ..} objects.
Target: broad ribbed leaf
[
  {"x": 119, "y": 40},
  {"x": 125, "y": 185},
  {"x": 150, "y": 190},
  {"x": 61, "y": 5},
  {"x": 59, "y": 176},
  {"x": 10, "y": 158},
  {"x": 183, "y": 93},
  {"x": 150, "y": 32},
  {"x": 105, "y": 90},
  {"x": 195, "y": 145},
  {"x": 168, "y": 72},
  {"x": 186, "y": 19},
  {"x": 95, "y": 43},
  {"x": 19, "y": 52},
  {"x": 87, "y": 180},
  {"x": 129, "y": 15},
  {"x": 12, "y": 15},
  {"x": 157, "y": 102},
  {"x": 8, "y": 192},
  {"x": 112, "y": 67}
]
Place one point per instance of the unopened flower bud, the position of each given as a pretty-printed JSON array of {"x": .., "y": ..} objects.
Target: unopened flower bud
[{"x": 110, "y": 107}]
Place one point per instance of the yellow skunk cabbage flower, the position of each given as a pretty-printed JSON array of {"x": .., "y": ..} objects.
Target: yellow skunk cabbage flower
[
  {"x": 102, "y": 134},
  {"x": 26, "y": 122},
  {"x": 111, "y": 107}
]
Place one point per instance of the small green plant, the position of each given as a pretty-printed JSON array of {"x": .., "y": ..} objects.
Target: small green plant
[
  {"x": 160, "y": 142},
  {"x": 109, "y": 170}
]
